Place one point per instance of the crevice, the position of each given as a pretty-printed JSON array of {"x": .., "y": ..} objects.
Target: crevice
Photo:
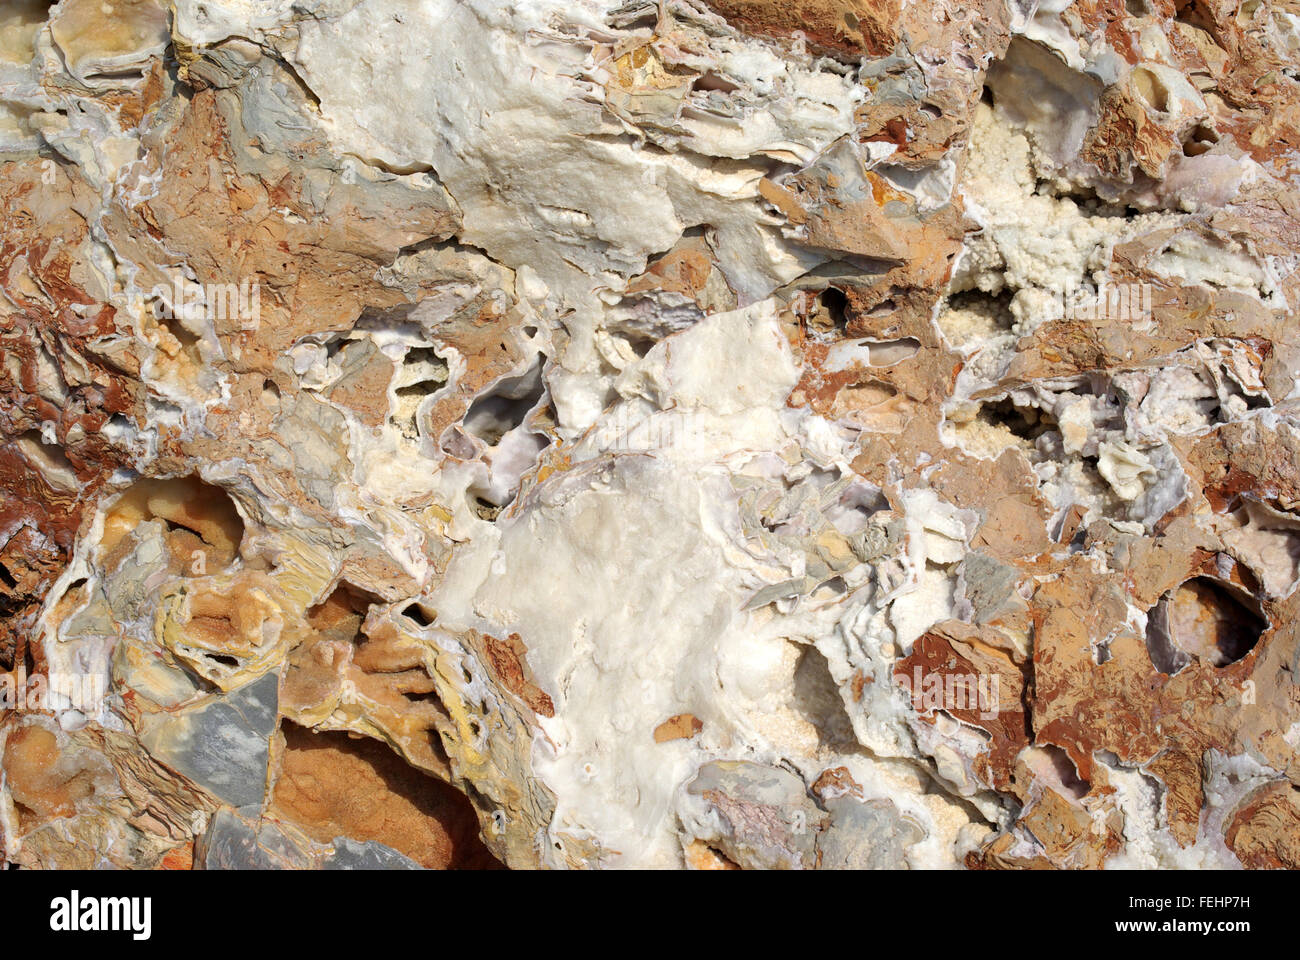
[
  {"x": 1027, "y": 423},
  {"x": 505, "y": 406},
  {"x": 970, "y": 317},
  {"x": 713, "y": 83},
  {"x": 417, "y": 612},
  {"x": 485, "y": 509},
  {"x": 829, "y": 312},
  {"x": 332, "y": 784},
  {"x": 423, "y": 372},
  {"x": 340, "y": 615},
  {"x": 818, "y": 700},
  {"x": 1200, "y": 139},
  {"x": 1074, "y": 785}
]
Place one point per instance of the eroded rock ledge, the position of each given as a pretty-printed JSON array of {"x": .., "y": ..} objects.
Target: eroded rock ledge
[{"x": 812, "y": 434}]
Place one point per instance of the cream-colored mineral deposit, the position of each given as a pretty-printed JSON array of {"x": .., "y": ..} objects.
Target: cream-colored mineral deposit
[{"x": 808, "y": 434}]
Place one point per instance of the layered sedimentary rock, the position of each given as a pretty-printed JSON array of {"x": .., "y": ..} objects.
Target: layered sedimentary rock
[{"x": 697, "y": 433}]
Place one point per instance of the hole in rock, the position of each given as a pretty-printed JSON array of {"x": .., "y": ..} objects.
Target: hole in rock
[
  {"x": 339, "y": 616},
  {"x": 270, "y": 394},
  {"x": 830, "y": 311},
  {"x": 72, "y": 598},
  {"x": 1033, "y": 85},
  {"x": 419, "y": 614},
  {"x": 1027, "y": 423},
  {"x": 422, "y": 372},
  {"x": 118, "y": 425},
  {"x": 972, "y": 316},
  {"x": 1193, "y": 13},
  {"x": 1201, "y": 619},
  {"x": 111, "y": 76},
  {"x": 1151, "y": 89},
  {"x": 386, "y": 669},
  {"x": 884, "y": 353},
  {"x": 883, "y": 309},
  {"x": 1063, "y": 769},
  {"x": 486, "y": 509},
  {"x": 1200, "y": 139},
  {"x": 641, "y": 344},
  {"x": 176, "y": 337},
  {"x": 199, "y": 517},
  {"x": 818, "y": 700},
  {"x": 427, "y": 366},
  {"x": 1210, "y": 622},
  {"x": 711, "y": 81},
  {"x": 1246, "y": 12},
  {"x": 45, "y": 781},
  {"x": 332, "y": 785},
  {"x": 504, "y": 407},
  {"x": 425, "y": 696}
]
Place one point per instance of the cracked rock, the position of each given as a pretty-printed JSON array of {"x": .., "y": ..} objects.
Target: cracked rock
[{"x": 694, "y": 433}]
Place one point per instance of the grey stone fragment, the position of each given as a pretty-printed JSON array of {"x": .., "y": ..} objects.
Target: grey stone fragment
[
  {"x": 313, "y": 454},
  {"x": 987, "y": 584},
  {"x": 876, "y": 539},
  {"x": 351, "y": 854},
  {"x": 222, "y": 744},
  {"x": 798, "y": 587},
  {"x": 760, "y": 817},
  {"x": 1166, "y": 655},
  {"x": 869, "y": 835},
  {"x": 233, "y": 843}
]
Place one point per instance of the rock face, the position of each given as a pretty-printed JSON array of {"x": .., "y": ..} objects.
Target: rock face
[{"x": 706, "y": 433}]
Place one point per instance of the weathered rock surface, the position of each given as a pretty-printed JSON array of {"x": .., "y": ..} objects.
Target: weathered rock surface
[{"x": 706, "y": 433}]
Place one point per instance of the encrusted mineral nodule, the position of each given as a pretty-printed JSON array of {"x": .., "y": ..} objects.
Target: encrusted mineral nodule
[{"x": 696, "y": 433}]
